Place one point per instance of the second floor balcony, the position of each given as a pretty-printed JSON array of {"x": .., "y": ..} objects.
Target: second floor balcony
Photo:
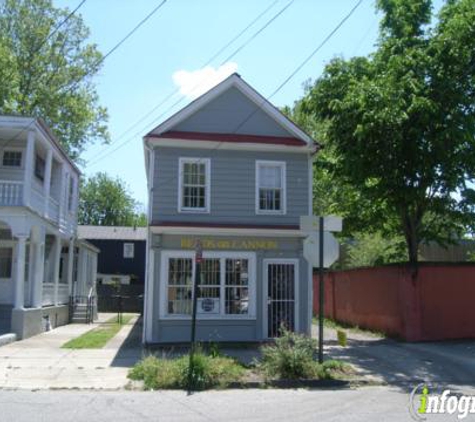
[{"x": 35, "y": 173}]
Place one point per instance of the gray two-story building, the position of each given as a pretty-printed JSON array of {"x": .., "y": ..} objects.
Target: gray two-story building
[{"x": 231, "y": 171}]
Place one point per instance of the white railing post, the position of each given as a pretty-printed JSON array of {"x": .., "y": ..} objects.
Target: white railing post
[
  {"x": 29, "y": 166},
  {"x": 47, "y": 180},
  {"x": 20, "y": 252}
]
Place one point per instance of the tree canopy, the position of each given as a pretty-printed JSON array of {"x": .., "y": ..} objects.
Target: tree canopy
[
  {"x": 105, "y": 201},
  {"x": 47, "y": 69},
  {"x": 399, "y": 125}
]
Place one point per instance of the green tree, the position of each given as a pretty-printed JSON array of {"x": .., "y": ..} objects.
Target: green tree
[
  {"x": 49, "y": 73},
  {"x": 401, "y": 122},
  {"x": 370, "y": 249},
  {"x": 105, "y": 201}
]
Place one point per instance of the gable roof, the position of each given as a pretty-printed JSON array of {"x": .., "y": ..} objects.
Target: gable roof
[
  {"x": 112, "y": 233},
  {"x": 286, "y": 132}
]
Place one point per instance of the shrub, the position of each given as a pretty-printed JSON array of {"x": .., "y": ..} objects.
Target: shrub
[
  {"x": 330, "y": 369},
  {"x": 342, "y": 338},
  {"x": 291, "y": 357},
  {"x": 208, "y": 372}
]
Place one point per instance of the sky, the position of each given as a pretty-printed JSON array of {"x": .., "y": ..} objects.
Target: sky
[{"x": 169, "y": 52}]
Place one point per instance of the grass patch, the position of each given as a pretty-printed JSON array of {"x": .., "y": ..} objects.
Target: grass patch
[
  {"x": 98, "y": 337},
  {"x": 330, "y": 323},
  {"x": 209, "y": 372}
]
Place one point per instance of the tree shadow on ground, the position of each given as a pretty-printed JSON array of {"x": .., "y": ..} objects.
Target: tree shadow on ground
[{"x": 405, "y": 365}]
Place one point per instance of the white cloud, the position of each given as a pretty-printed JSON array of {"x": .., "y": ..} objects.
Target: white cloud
[{"x": 193, "y": 84}]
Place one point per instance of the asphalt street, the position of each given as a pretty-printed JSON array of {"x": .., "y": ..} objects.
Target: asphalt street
[{"x": 354, "y": 405}]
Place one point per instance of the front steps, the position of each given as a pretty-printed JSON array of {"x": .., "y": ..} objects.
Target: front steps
[{"x": 80, "y": 314}]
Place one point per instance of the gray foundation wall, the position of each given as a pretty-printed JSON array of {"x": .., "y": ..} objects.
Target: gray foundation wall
[{"x": 30, "y": 321}]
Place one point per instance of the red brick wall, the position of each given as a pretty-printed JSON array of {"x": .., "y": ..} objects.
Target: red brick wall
[{"x": 439, "y": 304}]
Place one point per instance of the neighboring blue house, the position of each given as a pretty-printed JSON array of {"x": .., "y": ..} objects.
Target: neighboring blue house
[
  {"x": 232, "y": 171},
  {"x": 122, "y": 254}
]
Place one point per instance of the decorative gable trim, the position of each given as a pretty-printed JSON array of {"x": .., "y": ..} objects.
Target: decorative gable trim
[{"x": 232, "y": 81}]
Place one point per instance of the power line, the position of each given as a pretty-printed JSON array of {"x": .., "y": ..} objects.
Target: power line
[
  {"x": 60, "y": 25},
  {"x": 94, "y": 68},
  {"x": 214, "y": 56},
  {"x": 304, "y": 62},
  {"x": 286, "y": 80},
  {"x": 249, "y": 40}
]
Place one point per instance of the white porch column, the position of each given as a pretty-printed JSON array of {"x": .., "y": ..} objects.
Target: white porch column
[
  {"x": 62, "y": 194},
  {"x": 37, "y": 281},
  {"x": 70, "y": 266},
  {"x": 29, "y": 166},
  {"x": 20, "y": 250},
  {"x": 47, "y": 180},
  {"x": 57, "y": 258}
]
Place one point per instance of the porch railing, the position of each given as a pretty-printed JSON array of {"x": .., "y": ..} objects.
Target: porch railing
[
  {"x": 86, "y": 303},
  {"x": 11, "y": 193},
  {"x": 53, "y": 210}
]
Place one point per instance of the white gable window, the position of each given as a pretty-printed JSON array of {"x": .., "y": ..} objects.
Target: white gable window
[
  {"x": 270, "y": 187},
  {"x": 194, "y": 185},
  {"x": 129, "y": 250}
]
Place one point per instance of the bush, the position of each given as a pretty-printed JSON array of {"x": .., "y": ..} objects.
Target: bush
[
  {"x": 208, "y": 372},
  {"x": 291, "y": 357}
]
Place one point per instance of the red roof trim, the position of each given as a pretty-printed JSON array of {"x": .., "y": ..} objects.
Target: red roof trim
[
  {"x": 229, "y": 137},
  {"x": 225, "y": 226}
]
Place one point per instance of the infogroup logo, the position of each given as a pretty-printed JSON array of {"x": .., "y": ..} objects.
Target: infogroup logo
[{"x": 423, "y": 403}]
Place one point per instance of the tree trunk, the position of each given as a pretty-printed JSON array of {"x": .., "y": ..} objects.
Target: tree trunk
[{"x": 412, "y": 241}]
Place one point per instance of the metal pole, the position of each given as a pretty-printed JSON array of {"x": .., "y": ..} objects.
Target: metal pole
[
  {"x": 196, "y": 283},
  {"x": 321, "y": 292}
]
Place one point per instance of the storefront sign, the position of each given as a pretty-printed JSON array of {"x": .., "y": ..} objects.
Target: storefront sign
[{"x": 240, "y": 244}]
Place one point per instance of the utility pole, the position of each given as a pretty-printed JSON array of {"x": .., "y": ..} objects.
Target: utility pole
[
  {"x": 198, "y": 260},
  {"x": 321, "y": 290}
]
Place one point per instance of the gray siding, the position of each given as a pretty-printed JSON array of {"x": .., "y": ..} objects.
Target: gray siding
[
  {"x": 232, "y": 112},
  {"x": 233, "y": 178}
]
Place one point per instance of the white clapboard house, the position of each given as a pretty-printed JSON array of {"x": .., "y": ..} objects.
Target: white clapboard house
[{"x": 41, "y": 263}]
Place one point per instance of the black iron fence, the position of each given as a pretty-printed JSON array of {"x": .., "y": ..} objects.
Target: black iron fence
[{"x": 128, "y": 299}]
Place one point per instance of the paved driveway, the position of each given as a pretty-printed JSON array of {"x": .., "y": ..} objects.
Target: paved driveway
[
  {"x": 40, "y": 363},
  {"x": 406, "y": 364}
]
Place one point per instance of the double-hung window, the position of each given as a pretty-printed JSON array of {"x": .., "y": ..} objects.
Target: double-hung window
[
  {"x": 226, "y": 288},
  {"x": 270, "y": 187},
  {"x": 194, "y": 185}
]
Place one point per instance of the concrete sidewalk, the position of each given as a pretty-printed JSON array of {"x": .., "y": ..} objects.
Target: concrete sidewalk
[{"x": 40, "y": 363}]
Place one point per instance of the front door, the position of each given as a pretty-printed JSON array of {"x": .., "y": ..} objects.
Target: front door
[{"x": 280, "y": 282}]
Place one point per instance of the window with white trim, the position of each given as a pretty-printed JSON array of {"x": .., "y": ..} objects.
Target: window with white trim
[
  {"x": 225, "y": 289},
  {"x": 12, "y": 158},
  {"x": 270, "y": 187},
  {"x": 194, "y": 184},
  {"x": 129, "y": 251}
]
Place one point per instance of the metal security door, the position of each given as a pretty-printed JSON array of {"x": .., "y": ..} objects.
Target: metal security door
[{"x": 280, "y": 297}]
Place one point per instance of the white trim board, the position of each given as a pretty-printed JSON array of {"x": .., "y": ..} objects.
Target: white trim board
[{"x": 215, "y": 231}]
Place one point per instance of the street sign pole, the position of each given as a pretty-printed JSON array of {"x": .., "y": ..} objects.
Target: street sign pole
[
  {"x": 321, "y": 292},
  {"x": 198, "y": 259}
]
